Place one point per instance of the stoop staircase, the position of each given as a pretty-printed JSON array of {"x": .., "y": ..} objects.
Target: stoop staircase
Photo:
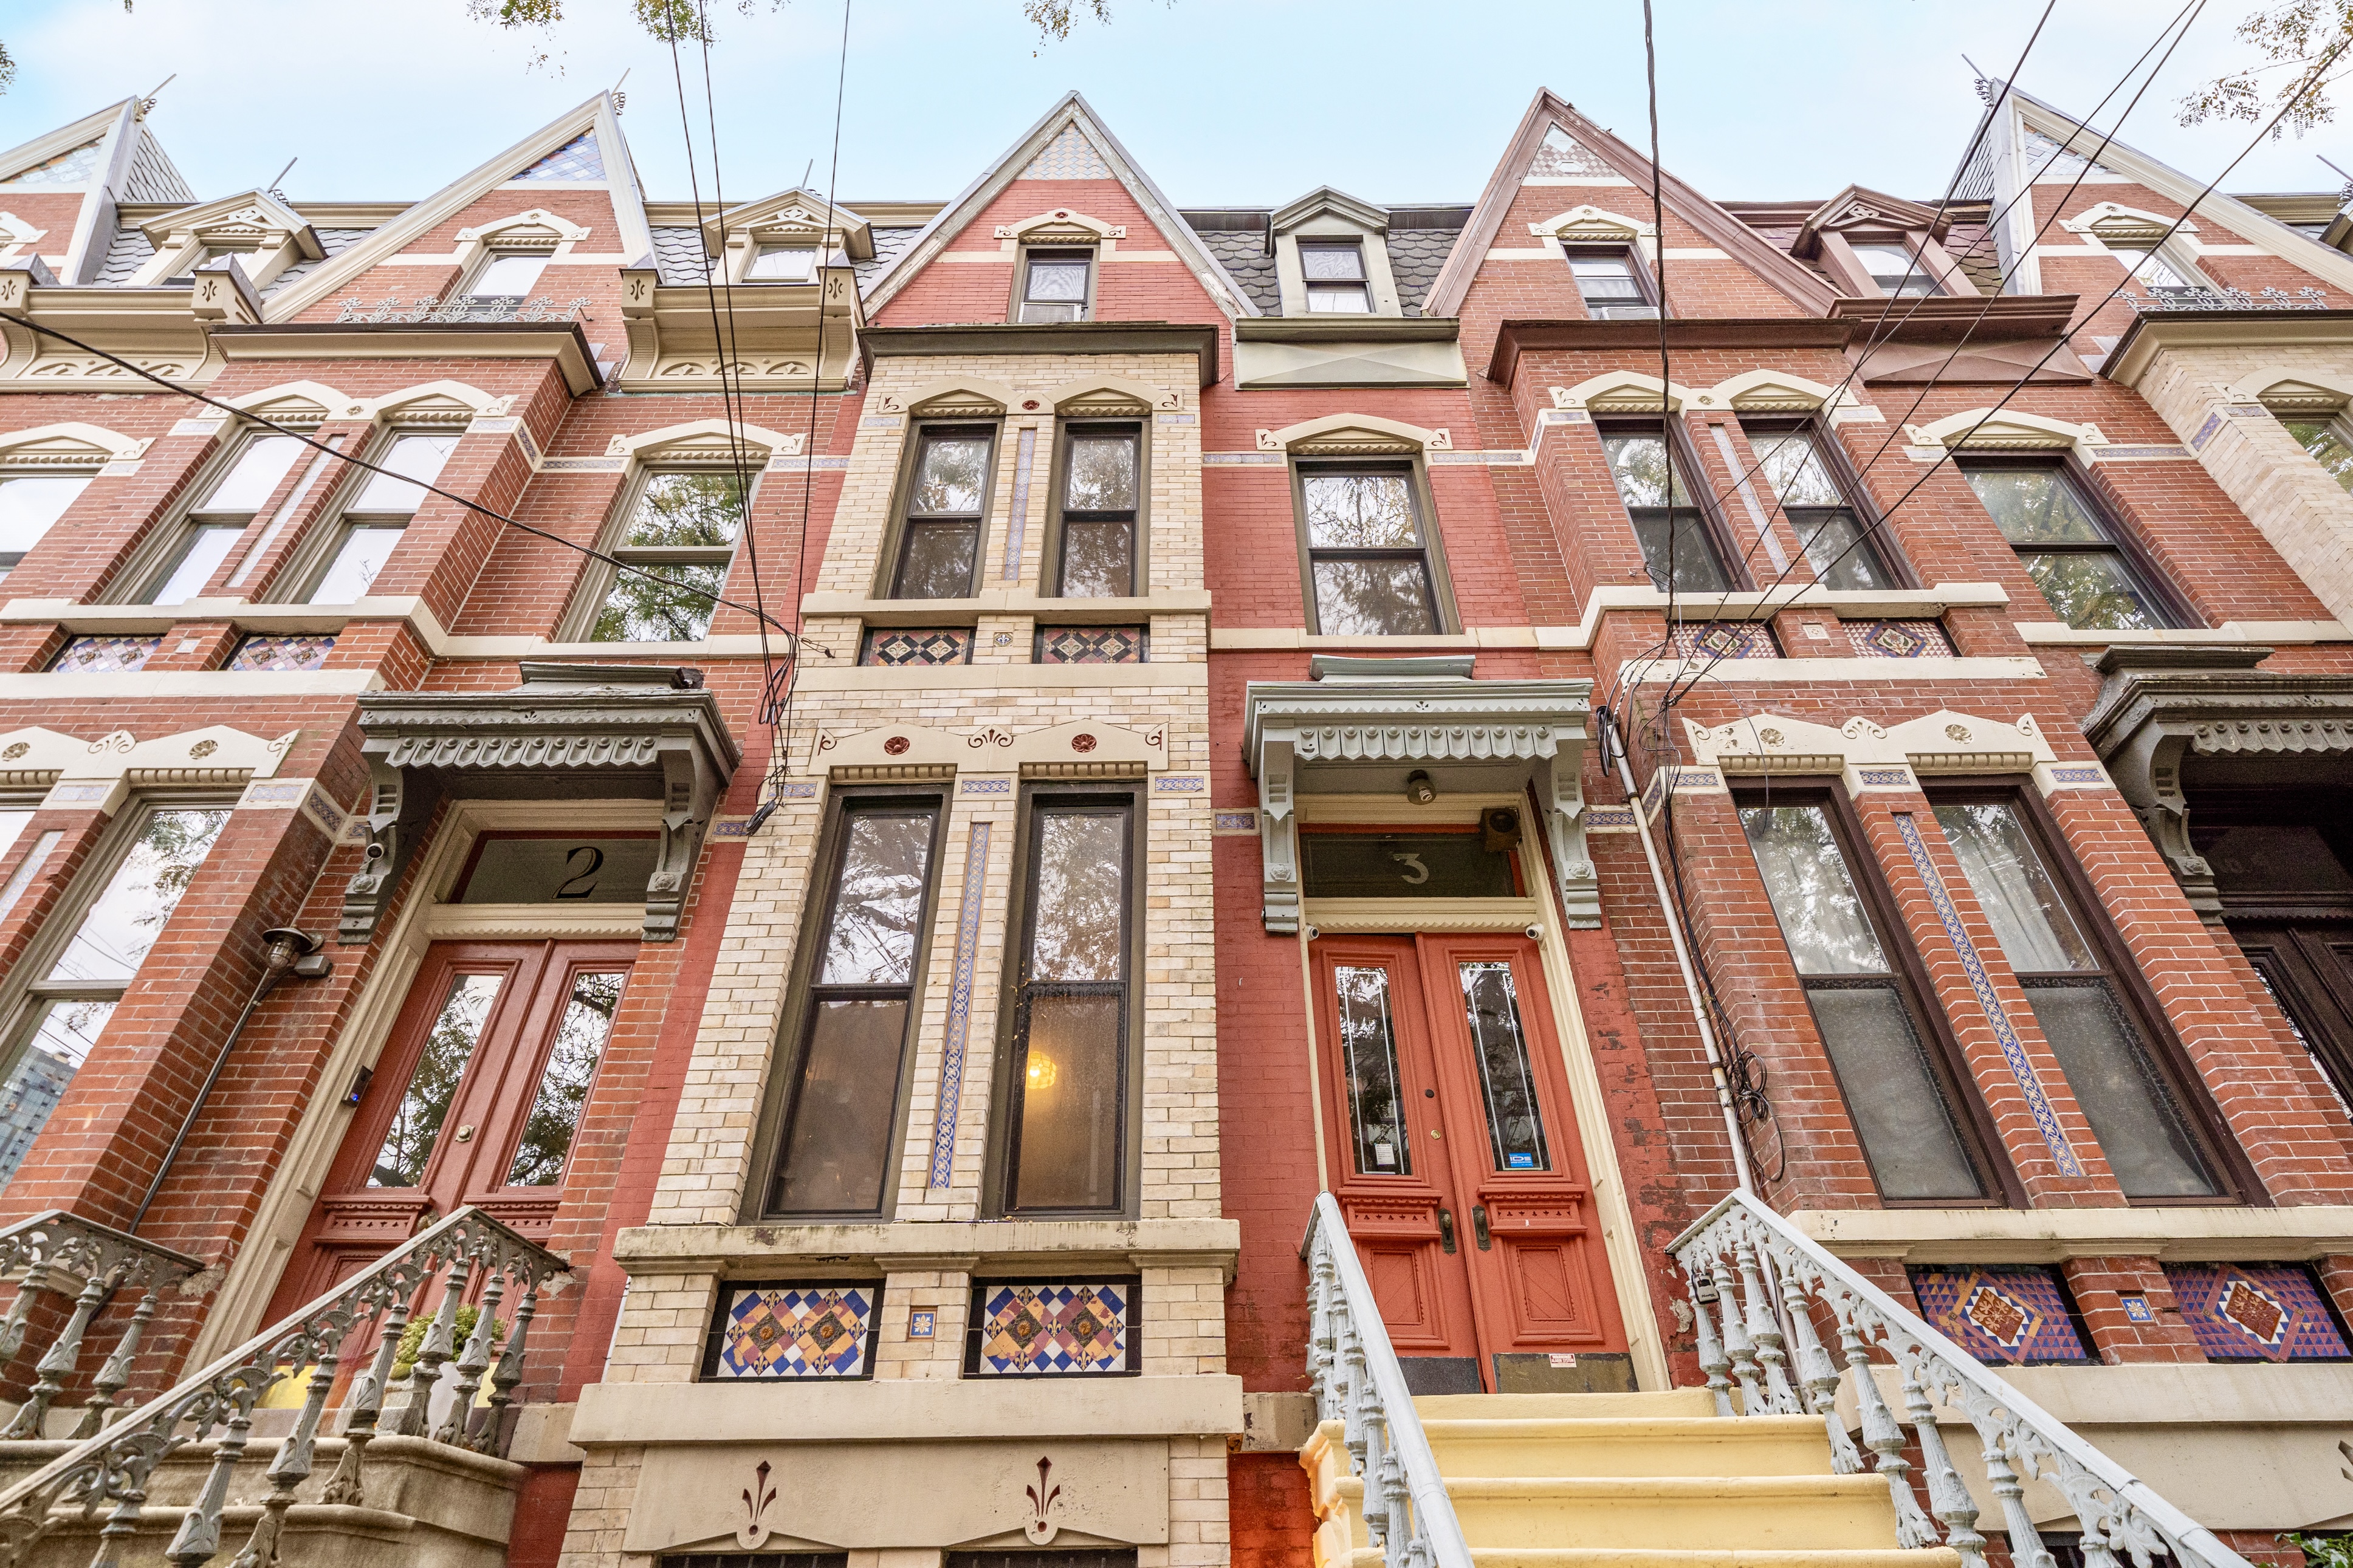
[{"x": 1629, "y": 1480}]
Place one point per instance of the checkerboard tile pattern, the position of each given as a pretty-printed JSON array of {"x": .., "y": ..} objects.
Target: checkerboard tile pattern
[
  {"x": 2017, "y": 1315},
  {"x": 291, "y": 652},
  {"x": 1060, "y": 1328},
  {"x": 1092, "y": 644},
  {"x": 2257, "y": 1311},
  {"x": 92, "y": 654},
  {"x": 1899, "y": 639},
  {"x": 777, "y": 1331},
  {"x": 894, "y": 647}
]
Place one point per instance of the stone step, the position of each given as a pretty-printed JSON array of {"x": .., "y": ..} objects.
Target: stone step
[
  {"x": 1673, "y": 1446},
  {"x": 1694, "y": 1403},
  {"x": 1787, "y": 1513},
  {"x": 1623, "y": 1557}
]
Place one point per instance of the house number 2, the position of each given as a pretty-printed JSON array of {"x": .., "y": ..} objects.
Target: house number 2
[{"x": 582, "y": 883}]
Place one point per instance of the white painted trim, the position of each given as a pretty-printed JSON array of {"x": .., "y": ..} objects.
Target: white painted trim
[
  {"x": 2057, "y": 634},
  {"x": 1874, "y": 671},
  {"x": 52, "y": 686}
]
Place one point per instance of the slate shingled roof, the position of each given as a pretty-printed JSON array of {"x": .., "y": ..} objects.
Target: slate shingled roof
[
  {"x": 1242, "y": 253},
  {"x": 1420, "y": 240}
]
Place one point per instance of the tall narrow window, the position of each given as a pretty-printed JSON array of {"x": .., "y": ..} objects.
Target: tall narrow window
[
  {"x": 1066, "y": 1146},
  {"x": 1839, "y": 547},
  {"x": 1611, "y": 287},
  {"x": 370, "y": 525},
  {"x": 1678, "y": 546},
  {"x": 2132, "y": 1110},
  {"x": 939, "y": 543},
  {"x": 1376, "y": 1092},
  {"x": 80, "y": 987},
  {"x": 29, "y": 505},
  {"x": 1333, "y": 271},
  {"x": 1098, "y": 512},
  {"x": 681, "y": 538},
  {"x": 2068, "y": 547},
  {"x": 1368, "y": 563},
  {"x": 841, "y": 1117},
  {"x": 2325, "y": 437},
  {"x": 1897, "y": 272},
  {"x": 508, "y": 277},
  {"x": 2153, "y": 272},
  {"x": 1055, "y": 286},
  {"x": 214, "y": 523},
  {"x": 1901, "y": 1103}
]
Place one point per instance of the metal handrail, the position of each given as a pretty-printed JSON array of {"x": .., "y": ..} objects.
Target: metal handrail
[
  {"x": 113, "y": 1465},
  {"x": 1359, "y": 1381},
  {"x": 1727, "y": 1258},
  {"x": 64, "y": 1255}
]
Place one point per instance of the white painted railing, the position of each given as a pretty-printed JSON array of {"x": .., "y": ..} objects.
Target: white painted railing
[
  {"x": 1359, "y": 1382},
  {"x": 1742, "y": 1256}
]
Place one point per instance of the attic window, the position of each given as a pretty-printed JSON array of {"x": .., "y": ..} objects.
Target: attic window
[
  {"x": 1335, "y": 275},
  {"x": 187, "y": 275},
  {"x": 2153, "y": 271},
  {"x": 1055, "y": 286},
  {"x": 1612, "y": 290},
  {"x": 782, "y": 263},
  {"x": 508, "y": 277},
  {"x": 1897, "y": 272}
]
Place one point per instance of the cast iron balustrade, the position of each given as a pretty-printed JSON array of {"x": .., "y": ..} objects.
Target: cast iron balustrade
[
  {"x": 60, "y": 1255},
  {"x": 1359, "y": 1382},
  {"x": 2161, "y": 301},
  {"x": 433, "y": 307},
  {"x": 1758, "y": 1287},
  {"x": 215, "y": 1405}
]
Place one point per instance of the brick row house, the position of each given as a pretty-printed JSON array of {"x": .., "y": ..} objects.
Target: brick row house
[{"x": 905, "y": 796}]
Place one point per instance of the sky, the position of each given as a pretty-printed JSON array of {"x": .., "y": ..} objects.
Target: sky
[{"x": 1223, "y": 101}]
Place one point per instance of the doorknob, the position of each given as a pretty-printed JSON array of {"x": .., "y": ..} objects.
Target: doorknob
[
  {"x": 1446, "y": 1232},
  {"x": 1479, "y": 1227}
]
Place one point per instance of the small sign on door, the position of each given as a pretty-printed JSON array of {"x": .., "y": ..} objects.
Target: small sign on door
[{"x": 1561, "y": 1358}]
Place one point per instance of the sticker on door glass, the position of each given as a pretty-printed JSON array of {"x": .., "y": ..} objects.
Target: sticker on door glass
[{"x": 1491, "y": 1004}]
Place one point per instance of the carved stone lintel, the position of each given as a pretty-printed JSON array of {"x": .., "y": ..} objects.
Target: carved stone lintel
[{"x": 398, "y": 806}]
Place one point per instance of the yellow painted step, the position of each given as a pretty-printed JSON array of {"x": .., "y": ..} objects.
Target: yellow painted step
[
  {"x": 1790, "y": 1513},
  {"x": 1676, "y": 1446},
  {"x": 1617, "y": 1557},
  {"x": 1694, "y": 1402}
]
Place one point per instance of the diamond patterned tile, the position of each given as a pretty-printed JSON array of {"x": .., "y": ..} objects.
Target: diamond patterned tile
[
  {"x": 2257, "y": 1311},
  {"x": 1094, "y": 644},
  {"x": 1059, "y": 1328},
  {"x": 1727, "y": 639},
  {"x": 2017, "y": 1315},
  {"x": 96, "y": 655},
  {"x": 297, "y": 651},
  {"x": 576, "y": 160},
  {"x": 1899, "y": 639},
  {"x": 777, "y": 1331},
  {"x": 72, "y": 168},
  {"x": 897, "y": 645}
]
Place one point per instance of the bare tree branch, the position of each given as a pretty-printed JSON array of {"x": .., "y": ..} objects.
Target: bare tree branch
[{"x": 2294, "y": 36}]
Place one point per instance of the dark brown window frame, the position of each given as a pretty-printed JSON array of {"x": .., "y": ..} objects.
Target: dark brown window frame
[
  {"x": 1059, "y": 249},
  {"x": 1879, "y": 534},
  {"x": 1049, "y": 574},
  {"x": 892, "y": 558},
  {"x": 1646, "y": 282},
  {"x": 2232, "y": 1171},
  {"x": 1433, "y": 545},
  {"x": 1004, "y": 1102},
  {"x": 1308, "y": 287},
  {"x": 2165, "y": 598},
  {"x": 1949, "y": 1064},
  {"x": 789, "y": 1051},
  {"x": 1683, "y": 452}
]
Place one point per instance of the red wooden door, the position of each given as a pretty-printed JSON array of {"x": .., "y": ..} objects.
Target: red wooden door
[
  {"x": 1494, "y": 1220},
  {"x": 476, "y": 1098}
]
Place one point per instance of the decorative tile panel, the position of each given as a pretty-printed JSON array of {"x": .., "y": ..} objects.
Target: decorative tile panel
[
  {"x": 1016, "y": 522},
  {"x": 92, "y": 654},
  {"x": 1727, "y": 639},
  {"x": 1053, "y": 1328},
  {"x": 299, "y": 651},
  {"x": 2017, "y": 1315},
  {"x": 1899, "y": 639},
  {"x": 898, "y": 647},
  {"x": 576, "y": 160},
  {"x": 1094, "y": 644},
  {"x": 773, "y": 1332},
  {"x": 967, "y": 960},
  {"x": 1069, "y": 156},
  {"x": 2257, "y": 1311}
]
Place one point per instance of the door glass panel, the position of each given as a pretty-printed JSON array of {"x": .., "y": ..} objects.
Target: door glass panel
[
  {"x": 1506, "y": 1081},
  {"x": 126, "y": 919},
  {"x": 1069, "y": 1130},
  {"x": 60, "y": 1044},
  {"x": 2140, "y": 1128},
  {"x": 554, "y": 1118},
  {"x": 1368, "y": 1042},
  {"x": 433, "y": 1086},
  {"x": 836, "y": 1150}
]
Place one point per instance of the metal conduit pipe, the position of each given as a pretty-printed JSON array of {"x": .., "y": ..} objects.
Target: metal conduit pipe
[{"x": 1683, "y": 961}]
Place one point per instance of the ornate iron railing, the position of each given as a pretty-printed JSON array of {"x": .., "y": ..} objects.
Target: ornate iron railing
[
  {"x": 466, "y": 308},
  {"x": 216, "y": 1405},
  {"x": 1359, "y": 1383},
  {"x": 2161, "y": 300},
  {"x": 71, "y": 1260},
  {"x": 1760, "y": 1286}
]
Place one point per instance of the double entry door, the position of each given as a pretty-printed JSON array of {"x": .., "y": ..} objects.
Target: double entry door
[
  {"x": 2308, "y": 965},
  {"x": 1458, "y": 1166},
  {"x": 476, "y": 1097}
]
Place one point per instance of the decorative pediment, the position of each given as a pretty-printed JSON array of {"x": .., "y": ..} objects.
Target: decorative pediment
[
  {"x": 790, "y": 217},
  {"x": 1080, "y": 749},
  {"x": 70, "y": 444},
  {"x": 301, "y": 402},
  {"x": 1624, "y": 392},
  {"x": 952, "y": 396},
  {"x": 1945, "y": 741},
  {"x": 2300, "y": 389},
  {"x": 1362, "y": 724},
  {"x": 438, "y": 403},
  {"x": 216, "y": 754},
  {"x": 526, "y": 230},
  {"x": 1861, "y": 208},
  {"x": 706, "y": 441},
  {"x": 1355, "y": 436},
  {"x": 1323, "y": 199},
  {"x": 1776, "y": 391},
  {"x": 2007, "y": 430},
  {"x": 1063, "y": 225},
  {"x": 1599, "y": 225},
  {"x": 2114, "y": 223},
  {"x": 250, "y": 218}
]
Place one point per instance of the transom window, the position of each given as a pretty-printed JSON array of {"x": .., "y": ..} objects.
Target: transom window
[
  {"x": 214, "y": 524},
  {"x": 1368, "y": 561},
  {"x": 370, "y": 525},
  {"x": 1897, "y": 272},
  {"x": 1055, "y": 286},
  {"x": 1100, "y": 486},
  {"x": 680, "y": 538},
  {"x": 1611, "y": 286},
  {"x": 782, "y": 263},
  {"x": 2069, "y": 548},
  {"x": 2324, "y": 436},
  {"x": 1838, "y": 545},
  {"x": 1678, "y": 546},
  {"x": 511, "y": 276},
  {"x": 29, "y": 505},
  {"x": 939, "y": 544},
  {"x": 1334, "y": 270}
]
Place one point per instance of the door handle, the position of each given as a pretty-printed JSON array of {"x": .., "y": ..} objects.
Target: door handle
[
  {"x": 1479, "y": 1227},
  {"x": 1446, "y": 1232}
]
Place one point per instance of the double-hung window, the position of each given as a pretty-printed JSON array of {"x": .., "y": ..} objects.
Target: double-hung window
[
  {"x": 2136, "y": 1115},
  {"x": 2154, "y": 272},
  {"x": 839, "y": 1126},
  {"x": 511, "y": 275},
  {"x": 1056, "y": 286},
  {"x": 948, "y": 497},
  {"x": 1896, "y": 271},
  {"x": 1369, "y": 568},
  {"x": 679, "y": 543},
  {"x": 1901, "y": 1094},
  {"x": 29, "y": 505},
  {"x": 1611, "y": 286},
  {"x": 371, "y": 524},
  {"x": 1072, "y": 1012},
  {"x": 2326, "y": 438},
  {"x": 1334, "y": 272},
  {"x": 1837, "y": 546},
  {"x": 782, "y": 263},
  {"x": 213, "y": 525},
  {"x": 81, "y": 983},
  {"x": 1678, "y": 546},
  {"x": 1100, "y": 481},
  {"x": 2070, "y": 549}
]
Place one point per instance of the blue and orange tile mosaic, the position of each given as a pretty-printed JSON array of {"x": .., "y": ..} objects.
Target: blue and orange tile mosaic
[
  {"x": 1053, "y": 1328},
  {"x": 2257, "y": 1311},
  {"x": 270, "y": 651},
  {"x": 792, "y": 1332},
  {"x": 1899, "y": 639},
  {"x": 2013, "y": 1313},
  {"x": 104, "y": 655}
]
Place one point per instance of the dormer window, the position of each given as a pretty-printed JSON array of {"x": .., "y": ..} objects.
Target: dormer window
[
  {"x": 208, "y": 253},
  {"x": 1335, "y": 274},
  {"x": 1611, "y": 287},
  {"x": 1055, "y": 286},
  {"x": 1897, "y": 272},
  {"x": 782, "y": 263},
  {"x": 511, "y": 276}
]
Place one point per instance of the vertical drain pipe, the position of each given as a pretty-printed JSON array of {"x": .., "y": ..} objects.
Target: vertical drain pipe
[{"x": 1683, "y": 961}]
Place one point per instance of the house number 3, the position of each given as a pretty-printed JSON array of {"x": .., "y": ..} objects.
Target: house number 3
[{"x": 1416, "y": 873}]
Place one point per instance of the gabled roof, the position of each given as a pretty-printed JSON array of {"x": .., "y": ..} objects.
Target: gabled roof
[
  {"x": 1071, "y": 142},
  {"x": 780, "y": 210},
  {"x": 1860, "y": 205},
  {"x": 597, "y": 115},
  {"x": 1999, "y": 170},
  {"x": 1548, "y": 113},
  {"x": 254, "y": 209},
  {"x": 105, "y": 157},
  {"x": 1323, "y": 199}
]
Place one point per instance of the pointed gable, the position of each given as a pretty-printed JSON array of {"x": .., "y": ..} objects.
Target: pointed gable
[
  {"x": 64, "y": 184},
  {"x": 576, "y": 161},
  {"x": 1560, "y": 156},
  {"x": 1069, "y": 156},
  {"x": 70, "y": 170}
]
